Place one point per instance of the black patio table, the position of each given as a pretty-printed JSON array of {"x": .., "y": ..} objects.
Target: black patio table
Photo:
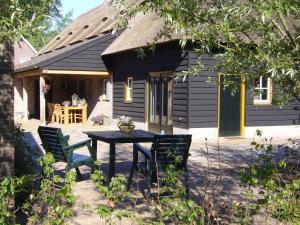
[{"x": 114, "y": 137}]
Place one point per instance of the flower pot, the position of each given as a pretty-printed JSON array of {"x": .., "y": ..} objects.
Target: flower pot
[{"x": 126, "y": 129}]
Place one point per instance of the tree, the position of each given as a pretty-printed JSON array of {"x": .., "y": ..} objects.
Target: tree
[
  {"x": 52, "y": 27},
  {"x": 253, "y": 38},
  {"x": 17, "y": 18}
]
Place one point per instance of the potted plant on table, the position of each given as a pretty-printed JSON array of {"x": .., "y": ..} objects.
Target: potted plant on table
[{"x": 125, "y": 124}]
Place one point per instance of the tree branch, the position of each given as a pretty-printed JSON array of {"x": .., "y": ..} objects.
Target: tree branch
[
  {"x": 278, "y": 27},
  {"x": 286, "y": 29}
]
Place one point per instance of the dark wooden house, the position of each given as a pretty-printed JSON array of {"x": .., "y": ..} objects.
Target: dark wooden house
[{"x": 146, "y": 88}]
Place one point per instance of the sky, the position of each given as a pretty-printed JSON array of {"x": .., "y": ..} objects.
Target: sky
[{"x": 79, "y": 6}]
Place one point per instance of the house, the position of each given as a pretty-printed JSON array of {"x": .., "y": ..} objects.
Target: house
[
  {"x": 23, "y": 52},
  {"x": 105, "y": 68}
]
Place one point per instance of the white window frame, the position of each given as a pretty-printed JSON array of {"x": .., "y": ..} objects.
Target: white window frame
[
  {"x": 103, "y": 89},
  {"x": 128, "y": 90},
  {"x": 258, "y": 92}
]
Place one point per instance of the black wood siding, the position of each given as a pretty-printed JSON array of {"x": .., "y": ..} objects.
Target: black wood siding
[
  {"x": 203, "y": 96},
  {"x": 270, "y": 115},
  {"x": 166, "y": 57},
  {"x": 86, "y": 57},
  {"x": 203, "y": 103}
]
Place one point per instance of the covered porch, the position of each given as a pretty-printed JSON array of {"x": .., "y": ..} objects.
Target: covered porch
[{"x": 35, "y": 89}]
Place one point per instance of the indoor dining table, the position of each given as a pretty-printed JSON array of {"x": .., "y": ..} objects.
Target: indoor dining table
[{"x": 114, "y": 137}]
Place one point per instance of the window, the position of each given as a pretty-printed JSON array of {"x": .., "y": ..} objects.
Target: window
[
  {"x": 103, "y": 90},
  {"x": 88, "y": 89},
  {"x": 263, "y": 91},
  {"x": 128, "y": 89}
]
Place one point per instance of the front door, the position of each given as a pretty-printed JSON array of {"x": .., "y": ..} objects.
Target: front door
[
  {"x": 160, "y": 102},
  {"x": 230, "y": 108}
]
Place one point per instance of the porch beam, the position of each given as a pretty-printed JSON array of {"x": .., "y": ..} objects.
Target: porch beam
[
  {"x": 42, "y": 101},
  {"x": 76, "y": 72},
  {"x": 29, "y": 73}
]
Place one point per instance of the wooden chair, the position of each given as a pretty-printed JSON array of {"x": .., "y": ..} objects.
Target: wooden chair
[
  {"x": 60, "y": 116},
  {"x": 54, "y": 142},
  {"x": 165, "y": 150},
  {"x": 78, "y": 114}
]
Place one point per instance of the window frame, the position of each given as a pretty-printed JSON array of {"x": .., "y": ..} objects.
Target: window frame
[
  {"x": 103, "y": 89},
  {"x": 128, "y": 90},
  {"x": 261, "y": 101}
]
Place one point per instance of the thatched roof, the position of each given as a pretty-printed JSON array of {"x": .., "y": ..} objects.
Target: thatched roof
[
  {"x": 97, "y": 23},
  {"x": 94, "y": 23},
  {"x": 143, "y": 29}
]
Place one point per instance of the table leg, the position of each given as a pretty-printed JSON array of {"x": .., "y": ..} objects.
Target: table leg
[
  {"x": 84, "y": 115},
  {"x": 94, "y": 146},
  {"x": 133, "y": 166},
  {"x": 112, "y": 159}
]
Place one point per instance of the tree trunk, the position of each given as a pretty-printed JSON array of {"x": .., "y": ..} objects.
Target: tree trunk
[{"x": 6, "y": 110}]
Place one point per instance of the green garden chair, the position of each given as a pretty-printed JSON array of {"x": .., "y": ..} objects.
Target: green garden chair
[
  {"x": 54, "y": 142},
  {"x": 165, "y": 150}
]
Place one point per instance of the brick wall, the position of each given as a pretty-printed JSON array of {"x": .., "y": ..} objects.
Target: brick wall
[
  {"x": 18, "y": 99},
  {"x": 22, "y": 52}
]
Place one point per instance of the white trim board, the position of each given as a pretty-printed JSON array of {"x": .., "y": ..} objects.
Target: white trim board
[
  {"x": 274, "y": 131},
  {"x": 249, "y": 132}
]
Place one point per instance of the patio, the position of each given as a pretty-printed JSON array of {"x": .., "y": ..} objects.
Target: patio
[{"x": 233, "y": 155}]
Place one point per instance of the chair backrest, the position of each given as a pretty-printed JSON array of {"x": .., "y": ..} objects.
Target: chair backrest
[
  {"x": 171, "y": 150},
  {"x": 58, "y": 109},
  {"x": 54, "y": 142}
]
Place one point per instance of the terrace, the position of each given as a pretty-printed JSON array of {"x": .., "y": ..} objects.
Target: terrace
[{"x": 204, "y": 164}]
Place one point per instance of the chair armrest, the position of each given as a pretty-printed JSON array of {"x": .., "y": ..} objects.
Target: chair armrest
[
  {"x": 67, "y": 137},
  {"x": 143, "y": 150},
  {"x": 79, "y": 145}
]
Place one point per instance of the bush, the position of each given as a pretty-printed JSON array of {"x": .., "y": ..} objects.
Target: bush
[{"x": 277, "y": 183}]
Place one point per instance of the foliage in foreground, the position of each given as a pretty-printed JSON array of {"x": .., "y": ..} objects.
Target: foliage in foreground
[
  {"x": 171, "y": 204},
  {"x": 19, "y": 17},
  {"x": 50, "y": 203},
  {"x": 271, "y": 183}
]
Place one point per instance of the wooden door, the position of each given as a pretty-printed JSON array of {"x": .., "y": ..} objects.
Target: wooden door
[{"x": 230, "y": 108}]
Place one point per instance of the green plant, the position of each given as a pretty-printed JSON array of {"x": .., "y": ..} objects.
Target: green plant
[
  {"x": 172, "y": 205},
  {"x": 115, "y": 192},
  {"x": 10, "y": 188},
  {"x": 279, "y": 186},
  {"x": 52, "y": 203},
  {"x": 125, "y": 121}
]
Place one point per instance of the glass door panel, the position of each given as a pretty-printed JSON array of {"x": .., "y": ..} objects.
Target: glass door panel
[{"x": 160, "y": 103}]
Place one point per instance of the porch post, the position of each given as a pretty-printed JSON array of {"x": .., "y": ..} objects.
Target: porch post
[
  {"x": 25, "y": 99},
  {"x": 42, "y": 101}
]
